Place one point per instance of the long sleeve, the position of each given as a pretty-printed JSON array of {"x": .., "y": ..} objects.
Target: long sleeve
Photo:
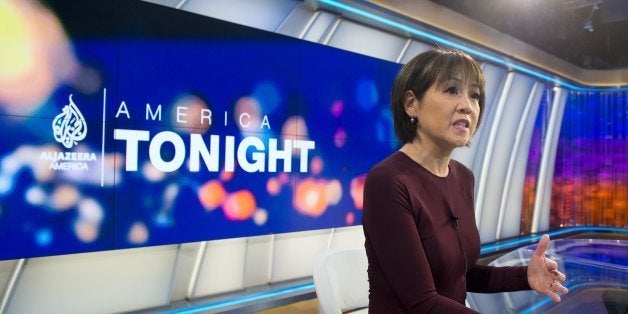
[
  {"x": 398, "y": 265},
  {"x": 489, "y": 279}
]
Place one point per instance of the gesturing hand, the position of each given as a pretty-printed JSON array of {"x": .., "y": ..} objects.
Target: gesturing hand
[{"x": 543, "y": 274}]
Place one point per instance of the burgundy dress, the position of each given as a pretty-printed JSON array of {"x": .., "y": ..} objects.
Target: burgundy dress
[{"x": 415, "y": 223}]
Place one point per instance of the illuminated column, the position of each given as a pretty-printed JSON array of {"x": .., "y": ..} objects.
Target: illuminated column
[
  {"x": 540, "y": 218},
  {"x": 509, "y": 219}
]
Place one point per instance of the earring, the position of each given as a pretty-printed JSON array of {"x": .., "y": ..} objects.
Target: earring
[{"x": 412, "y": 120}]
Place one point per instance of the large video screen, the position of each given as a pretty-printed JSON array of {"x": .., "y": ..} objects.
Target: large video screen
[{"x": 129, "y": 124}]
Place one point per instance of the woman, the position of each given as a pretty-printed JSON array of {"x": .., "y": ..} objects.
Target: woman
[{"x": 421, "y": 238}]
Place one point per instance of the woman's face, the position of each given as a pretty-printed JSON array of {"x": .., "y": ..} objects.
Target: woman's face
[{"x": 447, "y": 114}]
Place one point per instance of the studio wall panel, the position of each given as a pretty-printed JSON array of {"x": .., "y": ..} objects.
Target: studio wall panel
[
  {"x": 187, "y": 254},
  {"x": 541, "y": 214},
  {"x": 415, "y": 48},
  {"x": 347, "y": 237},
  {"x": 222, "y": 269},
  {"x": 297, "y": 21},
  {"x": 294, "y": 253},
  {"x": 368, "y": 41},
  {"x": 263, "y": 14},
  {"x": 534, "y": 159},
  {"x": 493, "y": 77},
  {"x": 486, "y": 145},
  {"x": 7, "y": 271},
  {"x": 509, "y": 220},
  {"x": 103, "y": 282},
  {"x": 320, "y": 26},
  {"x": 259, "y": 254},
  {"x": 495, "y": 173}
]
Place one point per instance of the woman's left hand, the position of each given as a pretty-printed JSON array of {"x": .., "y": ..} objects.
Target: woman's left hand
[{"x": 543, "y": 274}]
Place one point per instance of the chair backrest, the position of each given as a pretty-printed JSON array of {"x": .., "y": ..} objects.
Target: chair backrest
[{"x": 341, "y": 280}]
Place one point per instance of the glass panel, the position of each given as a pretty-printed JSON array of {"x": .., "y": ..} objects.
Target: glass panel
[{"x": 597, "y": 277}]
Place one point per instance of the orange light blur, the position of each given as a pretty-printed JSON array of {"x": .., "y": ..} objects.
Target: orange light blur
[
  {"x": 226, "y": 176},
  {"x": 138, "y": 233},
  {"x": 64, "y": 197},
  {"x": 239, "y": 205},
  {"x": 311, "y": 197},
  {"x": 273, "y": 186},
  {"x": 334, "y": 191},
  {"x": 35, "y": 56},
  {"x": 212, "y": 194},
  {"x": 85, "y": 231}
]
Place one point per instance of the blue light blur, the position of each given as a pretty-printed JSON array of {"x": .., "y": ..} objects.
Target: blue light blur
[{"x": 245, "y": 299}]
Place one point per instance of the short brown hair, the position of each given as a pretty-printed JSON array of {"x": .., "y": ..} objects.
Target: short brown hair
[{"x": 434, "y": 66}]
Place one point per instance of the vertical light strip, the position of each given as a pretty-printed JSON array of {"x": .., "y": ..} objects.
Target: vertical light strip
[
  {"x": 174, "y": 271},
  {"x": 200, "y": 256},
  {"x": 8, "y": 291},
  {"x": 271, "y": 258},
  {"x": 181, "y": 4},
  {"x": 331, "y": 32},
  {"x": 404, "y": 50},
  {"x": 244, "y": 265},
  {"x": 309, "y": 24},
  {"x": 514, "y": 156},
  {"x": 331, "y": 238},
  {"x": 488, "y": 150},
  {"x": 540, "y": 215},
  {"x": 102, "y": 153}
]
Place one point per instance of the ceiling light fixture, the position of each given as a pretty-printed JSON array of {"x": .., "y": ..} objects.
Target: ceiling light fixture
[{"x": 588, "y": 24}]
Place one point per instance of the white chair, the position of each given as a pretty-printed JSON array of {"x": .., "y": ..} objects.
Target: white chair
[{"x": 341, "y": 281}]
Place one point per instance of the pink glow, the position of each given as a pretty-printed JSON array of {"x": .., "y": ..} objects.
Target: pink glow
[
  {"x": 337, "y": 107},
  {"x": 340, "y": 137},
  {"x": 284, "y": 178},
  {"x": 350, "y": 218},
  {"x": 316, "y": 165},
  {"x": 357, "y": 191}
]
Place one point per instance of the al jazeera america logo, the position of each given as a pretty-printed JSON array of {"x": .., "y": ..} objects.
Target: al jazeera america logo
[{"x": 69, "y": 128}]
